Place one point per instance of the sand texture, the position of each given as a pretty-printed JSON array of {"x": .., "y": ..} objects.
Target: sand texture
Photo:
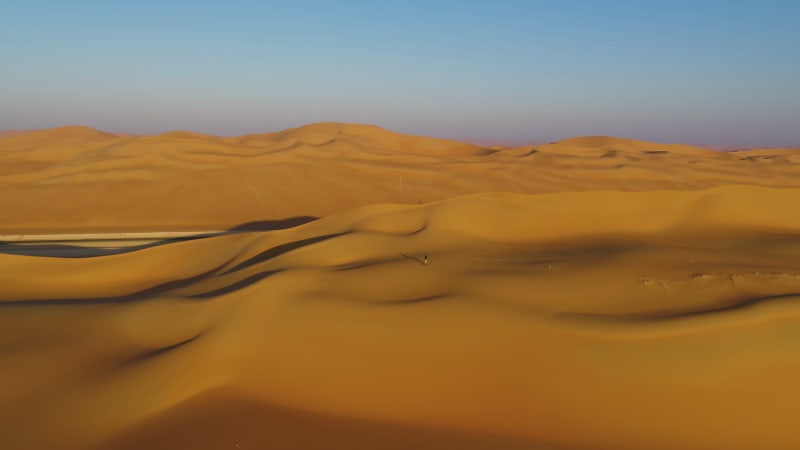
[
  {"x": 654, "y": 303},
  {"x": 77, "y": 179}
]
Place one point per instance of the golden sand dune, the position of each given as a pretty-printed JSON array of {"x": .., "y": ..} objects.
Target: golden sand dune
[
  {"x": 75, "y": 179},
  {"x": 594, "y": 320},
  {"x": 645, "y": 296}
]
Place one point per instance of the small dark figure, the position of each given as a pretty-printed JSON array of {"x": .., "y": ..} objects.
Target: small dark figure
[{"x": 425, "y": 259}]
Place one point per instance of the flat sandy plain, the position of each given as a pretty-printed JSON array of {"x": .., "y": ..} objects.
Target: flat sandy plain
[{"x": 355, "y": 288}]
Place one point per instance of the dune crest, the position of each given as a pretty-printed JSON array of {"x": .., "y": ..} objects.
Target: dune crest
[
  {"x": 354, "y": 288},
  {"x": 608, "y": 144},
  {"x": 491, "y": 321},
  {"x": 76, "y": 179},
  {"x": 59, "y": 136}
]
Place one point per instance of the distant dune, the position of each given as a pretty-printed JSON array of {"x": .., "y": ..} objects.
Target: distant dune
[
  {"x": 77, "y": 178},
  {"x": 11, "y": 132},
  {"x": 384, "y": 291}
]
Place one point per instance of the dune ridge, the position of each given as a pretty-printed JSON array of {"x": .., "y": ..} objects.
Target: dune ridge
[
  {"x": 342, "y": 286},
  {"x": 76, "y": 179},
  {"x": 577, "y": 320}
]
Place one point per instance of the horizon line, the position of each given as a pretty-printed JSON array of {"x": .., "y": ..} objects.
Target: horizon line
[{"x": 511, "y": 143}]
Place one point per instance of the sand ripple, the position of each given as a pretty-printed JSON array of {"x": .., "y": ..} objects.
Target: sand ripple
[{"x": 583, "y": 320}]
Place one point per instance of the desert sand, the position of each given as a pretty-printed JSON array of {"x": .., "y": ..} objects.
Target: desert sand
[
  {"x": 78, "y": 179},
  {"x": 355, "y": 288}
]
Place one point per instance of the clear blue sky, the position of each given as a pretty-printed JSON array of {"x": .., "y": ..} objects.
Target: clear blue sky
[{"x": 725, "y": 72}]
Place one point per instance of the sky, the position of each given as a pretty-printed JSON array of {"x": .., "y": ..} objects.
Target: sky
[{"x": 505, "y": 71}]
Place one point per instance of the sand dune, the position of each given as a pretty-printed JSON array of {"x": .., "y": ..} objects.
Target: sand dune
[
  {"x": 662, "y": 320},
  {"x": 618, "y": 295},
  {"x": 75, "y": 179}
]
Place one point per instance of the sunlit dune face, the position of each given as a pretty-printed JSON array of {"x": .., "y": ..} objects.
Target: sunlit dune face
[
  {"x": 330, "y": 287},
  {"x": 77, "y": 178}
]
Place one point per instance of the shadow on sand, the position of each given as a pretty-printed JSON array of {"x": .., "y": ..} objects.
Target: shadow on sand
[
  {"x": 119, "y": 246},
  {"x": 270, "y": 225}
]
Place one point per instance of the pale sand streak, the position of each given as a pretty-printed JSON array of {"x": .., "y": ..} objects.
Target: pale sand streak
[{"x": 109, "y": 237}]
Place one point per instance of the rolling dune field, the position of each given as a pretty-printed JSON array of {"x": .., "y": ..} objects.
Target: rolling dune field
[
  {"x": 356, "y": 288},
  {"x": 78, "y": 179}
]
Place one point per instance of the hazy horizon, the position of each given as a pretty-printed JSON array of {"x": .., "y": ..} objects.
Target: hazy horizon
[
  {"x": 481, "y": 142},
  {"x": 700, "y": 73}
]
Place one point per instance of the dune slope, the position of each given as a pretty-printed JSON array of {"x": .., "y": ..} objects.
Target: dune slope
[
  {"x": 594, "y": 320},
  {"x": 77, "y": 179}
]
